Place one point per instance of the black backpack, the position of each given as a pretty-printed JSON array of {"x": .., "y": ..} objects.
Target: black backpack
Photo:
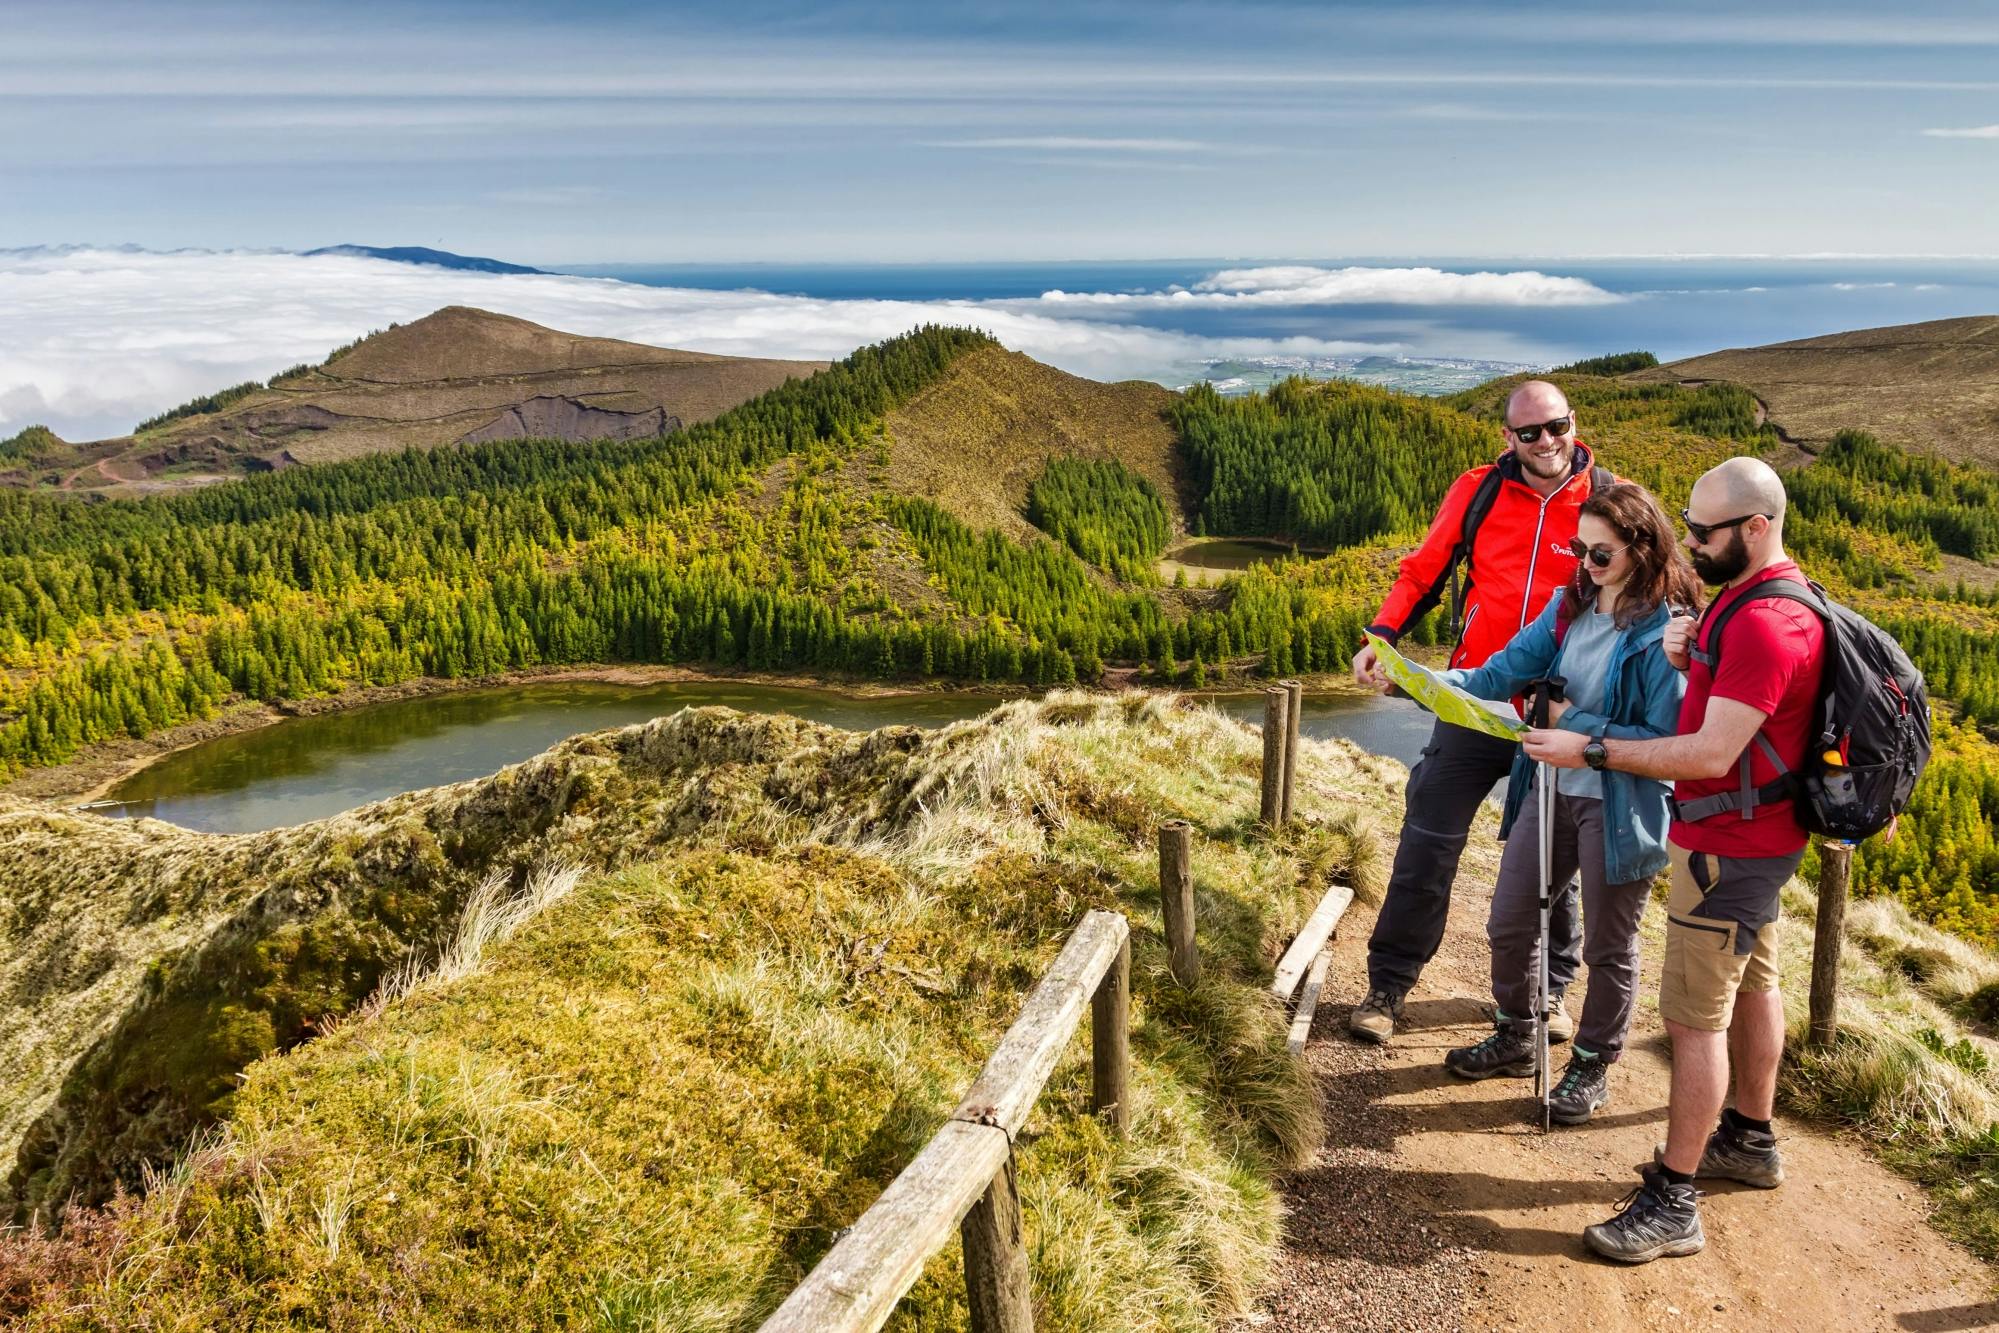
[
  {"x": 1475, "y": 511},
  {"x": 1874, "y": 716}
]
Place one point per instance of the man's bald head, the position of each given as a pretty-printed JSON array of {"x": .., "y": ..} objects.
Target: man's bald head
[
  {"x": 1737, "y": 508},
  {"x": 1738, "y": 486},
  {"x": 1534, "y": 402}
]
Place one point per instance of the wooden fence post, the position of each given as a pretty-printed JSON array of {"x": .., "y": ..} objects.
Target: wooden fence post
[
  {"x": 1110, "y": 1043},
  {"x": 1835, "y": 870},
  {"x": 1176, "y": 899},
  {"x": 1294, "y": 708},
  {"x": 1276, "y": 707},
  {"x": 995, "y": 1243}
]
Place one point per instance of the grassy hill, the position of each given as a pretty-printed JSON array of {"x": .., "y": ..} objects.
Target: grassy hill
[
  {"x": 830, "y": 927},
  {"x": 457, "y": 375},
  {"x": 823, "y": 528},
  {"x": 754, "y": 963},
  {"x": 1930, "y": 387},
  {"x": 978, "y": 438}
]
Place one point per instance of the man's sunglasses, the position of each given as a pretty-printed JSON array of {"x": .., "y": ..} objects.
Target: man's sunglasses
[
  {"x": 1559, "y": 427},
  {"x": 1600, "y": 556},
  {"x": 1701, "y": 532}
]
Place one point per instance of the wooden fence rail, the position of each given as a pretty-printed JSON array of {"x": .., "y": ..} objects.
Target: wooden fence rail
[{"x": 964, "y": 1177}]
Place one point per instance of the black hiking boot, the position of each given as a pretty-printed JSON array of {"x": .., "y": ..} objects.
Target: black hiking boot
[
  {"x": 1584, "y": 1090},
  {"x": 1735, "y": 1152},
  {"x": 1374, "y": 1019},
  {"x": 1658, "y": 1220},
  {"x": 1508, "y": 1053}
]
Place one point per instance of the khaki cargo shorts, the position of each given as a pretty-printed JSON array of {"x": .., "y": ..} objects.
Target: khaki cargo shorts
[{"x": 1721, "y": 933}]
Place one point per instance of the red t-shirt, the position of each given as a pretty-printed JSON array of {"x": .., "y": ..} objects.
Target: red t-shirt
[{"x": 1772, "y": 655}]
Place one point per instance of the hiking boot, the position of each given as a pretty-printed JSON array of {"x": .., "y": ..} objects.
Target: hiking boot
[
  {"x": 1508, "y": 1052},
  {"x": 1373, "y": 1019},
  {"x": 1658, "y": 1220},
  {"x": 1736, "y": 1153},
  {"x": 1561, "y": 1027},
  {"x": 1584, "y": 1090}
]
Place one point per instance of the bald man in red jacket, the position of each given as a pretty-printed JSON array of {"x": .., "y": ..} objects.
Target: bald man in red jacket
[{"x": 1515, "y": 560}]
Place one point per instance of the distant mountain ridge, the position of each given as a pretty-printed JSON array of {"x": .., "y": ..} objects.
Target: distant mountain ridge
[
  {"x": 458, "y": 375},
  {"x": 417, "y": 254}
]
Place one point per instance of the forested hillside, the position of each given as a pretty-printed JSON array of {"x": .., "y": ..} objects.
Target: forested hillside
[
  {"x": 123, "y": 617},
  {"x": 786, "y": 535}
]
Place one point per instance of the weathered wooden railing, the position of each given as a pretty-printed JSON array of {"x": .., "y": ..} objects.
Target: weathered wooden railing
[
  {"x": 965, "y": 1175},
  {"x": 1309, "y": 956}
]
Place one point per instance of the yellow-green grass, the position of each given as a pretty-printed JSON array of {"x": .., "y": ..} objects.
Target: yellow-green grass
[{"x": 654, "y": 1105}]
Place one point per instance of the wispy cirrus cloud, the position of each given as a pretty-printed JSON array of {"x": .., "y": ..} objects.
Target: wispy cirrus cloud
[
  {"x": 1968, "y": 132},
  {"x": 1074, "y": 143}
]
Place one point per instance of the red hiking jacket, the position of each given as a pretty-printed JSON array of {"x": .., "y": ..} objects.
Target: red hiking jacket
[{"x": 1519, "y": 558}]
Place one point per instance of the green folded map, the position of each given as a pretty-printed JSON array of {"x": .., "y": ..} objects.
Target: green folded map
[{"x": 1447, "y": 701}]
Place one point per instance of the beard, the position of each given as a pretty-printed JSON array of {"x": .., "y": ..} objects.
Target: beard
[
  {"x": 1558, "y": 465},
  {"x": 1725, "y": 564}
]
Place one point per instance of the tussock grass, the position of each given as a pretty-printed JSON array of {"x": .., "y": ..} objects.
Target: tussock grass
[
  {"x": 1910, "y": 1070},
  {"x": 650, "y": 1097}
]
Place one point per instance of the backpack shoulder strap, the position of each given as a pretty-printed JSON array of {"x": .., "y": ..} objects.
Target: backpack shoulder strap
[
  {"x": 1476, "y": 509},
  {"x": 1789, "y": 590},
  {"x": 1747, "y": 797},
  {"x": 1601, "y": 478}
]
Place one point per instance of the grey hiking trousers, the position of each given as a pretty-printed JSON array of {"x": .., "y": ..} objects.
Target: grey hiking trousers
[{"x": 1610, "y": 921}]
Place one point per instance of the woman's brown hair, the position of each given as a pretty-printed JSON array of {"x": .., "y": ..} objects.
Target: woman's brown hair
[{"x": 1659, "y": 568}]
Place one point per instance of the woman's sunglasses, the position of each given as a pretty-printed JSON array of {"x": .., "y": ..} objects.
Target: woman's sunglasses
[
  {"x": 1700, "y": 532},
  {"x": 1600, "y": 556},
  {"x": 1559, "y": 427}
]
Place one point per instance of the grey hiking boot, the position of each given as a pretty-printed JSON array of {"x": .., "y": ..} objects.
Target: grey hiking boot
[
  {"x": 1734, "y": 1152},
  {"x": 1508, "y": 1052},
  {"x": 1658, "y": 1220},
  {"x": 1373, "y": 1019},
  {"x": 1561, "y": 1027},
  {"x": 1584, "y": 1089}
]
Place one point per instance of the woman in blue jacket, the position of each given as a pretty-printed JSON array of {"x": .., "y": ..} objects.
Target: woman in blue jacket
[{"x": 1601, "y": 634}]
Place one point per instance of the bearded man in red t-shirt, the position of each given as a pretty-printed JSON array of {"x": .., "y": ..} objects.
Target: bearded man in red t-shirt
[{"x": 1734, "y": 841}]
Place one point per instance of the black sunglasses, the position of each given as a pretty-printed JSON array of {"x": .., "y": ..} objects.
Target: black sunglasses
[
  {"x": 1701, "y": 532},
  {"x": 1559, "y": 427},
  {"x": 1599, "y": 556}
]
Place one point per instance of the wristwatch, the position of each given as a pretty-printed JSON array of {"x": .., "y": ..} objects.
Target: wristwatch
[{"x": 1595, "y": 755}]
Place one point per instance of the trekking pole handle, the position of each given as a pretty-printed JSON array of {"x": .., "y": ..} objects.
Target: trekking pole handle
[{"x": 1547, "y": 690}]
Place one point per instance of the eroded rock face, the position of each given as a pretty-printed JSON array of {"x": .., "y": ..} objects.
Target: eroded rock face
[
  {"x": 546, "y": 417},
  {"x": 144, "y": 966}
]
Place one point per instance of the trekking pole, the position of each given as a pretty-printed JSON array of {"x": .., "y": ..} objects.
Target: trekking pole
[{"x": 1545, "y": 692}]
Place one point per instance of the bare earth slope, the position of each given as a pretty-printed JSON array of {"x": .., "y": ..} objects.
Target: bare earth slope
[
  {"x": 1436, "y": 1204},
  {"x": 458, "y": 374},
  {"x": 1932, "y": 387},
  {"x": 975, "y": 441}
]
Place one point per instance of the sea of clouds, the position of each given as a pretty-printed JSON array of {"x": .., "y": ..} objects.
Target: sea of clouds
[{"x": 93, "y": 340}]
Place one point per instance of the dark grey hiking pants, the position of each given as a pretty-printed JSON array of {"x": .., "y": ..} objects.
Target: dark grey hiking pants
[
  {"x": 1459, "y": 766},
  {"x": 1610, "y": 922}
]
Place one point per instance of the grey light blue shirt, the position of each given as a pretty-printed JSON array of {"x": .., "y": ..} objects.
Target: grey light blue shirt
[{"x": 1586, "y": 652}]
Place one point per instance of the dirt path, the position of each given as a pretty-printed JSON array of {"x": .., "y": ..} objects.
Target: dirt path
[{"x": 1436, "y": 1205}]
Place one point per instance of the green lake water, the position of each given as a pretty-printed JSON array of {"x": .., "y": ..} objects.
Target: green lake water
[{"x": 311, "y": 767}]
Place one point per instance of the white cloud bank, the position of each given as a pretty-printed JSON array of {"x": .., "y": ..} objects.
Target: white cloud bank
[
  {"x": 1969, "y": 132},
  {"x": 94, "y": 340},
  {"x": 1302, "y": 285}
]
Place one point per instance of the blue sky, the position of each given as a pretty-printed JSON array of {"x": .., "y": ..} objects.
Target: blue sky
[{"x": 587, "y": 133}]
